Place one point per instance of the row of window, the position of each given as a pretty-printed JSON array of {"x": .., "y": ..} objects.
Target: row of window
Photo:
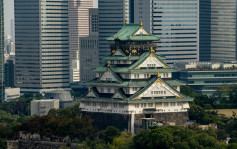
[
  {"x": 115, "y": 105},
  {"x": 158, "y": 92}
]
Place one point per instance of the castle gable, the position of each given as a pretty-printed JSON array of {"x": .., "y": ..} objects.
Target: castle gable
[
  {"x": 141, "y": 32},
  {"x": 109, "y": 75},
  {"x": 152, "y": 61},
  {"x": 119, "y": 53}
]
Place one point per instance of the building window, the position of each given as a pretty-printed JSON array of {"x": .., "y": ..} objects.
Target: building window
[
  {"x": 134, "y": 88},
  {"x": 136, "y": 75},
  {"x": 108, "y": 79},
  {"x": 137, "y": 105},
  {"x": 166, "y": 104},
  {"x": 104, "y": 104},
  {"x": 94, "y": 103},
  {"x": 88, "y": 103},
  {"x": 121, "y": 105},
  {"x": 172, "y": 104},
  {"x": 115, "y": 105},
  {"x": 179, "y": 103},
  {"x": 150, "y": 104}
]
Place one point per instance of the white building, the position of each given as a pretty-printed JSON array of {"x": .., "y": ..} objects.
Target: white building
[
  {"x": 42, "y": 107},
  {"x": 11, "y": 93}
]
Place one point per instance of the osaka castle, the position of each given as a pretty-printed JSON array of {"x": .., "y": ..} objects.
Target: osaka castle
[{"x": 134, "y": 83}]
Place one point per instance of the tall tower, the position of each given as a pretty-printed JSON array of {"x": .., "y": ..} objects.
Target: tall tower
[
  {"x": 218, "y": 31},
  {"x": 112, "y": 16},
  {"x": 42, "y": 50},
  {"x": 1, "y": 51},
  {"x": 78, "y": 24},
  {"x": 176, "y": 22},
  {"x": 89, "y": 54}
]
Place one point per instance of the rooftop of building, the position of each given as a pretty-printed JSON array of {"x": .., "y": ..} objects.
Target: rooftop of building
[
  {"x": 207, "y": 66},
  {"x": 134, "y": 32}
]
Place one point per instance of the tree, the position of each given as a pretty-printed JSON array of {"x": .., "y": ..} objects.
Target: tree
[
  {"x": 2, "y": 145},
  {"x": 110, "y": 133},
  {"x": 187, "y": 90},
  {"x": 196, "y": 113},
  {"x": 124, "y": 141}
]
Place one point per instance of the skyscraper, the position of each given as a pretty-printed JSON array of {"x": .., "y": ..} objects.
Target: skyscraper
[
  {"x": 89, "y": 53},
  {"x": 1, "y": 51},
  {"x": 112, "y": 16},
  {"x": 78, "y": 23},
  {"x": 218, "y": 30},
  {"x": 176, "y": 22},
  {"x": 42, "y": 50}
]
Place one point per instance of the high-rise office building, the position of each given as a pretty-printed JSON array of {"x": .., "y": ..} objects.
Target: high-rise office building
[
  {"x": 12, "y": 29},
  {"x": 218, "y": 30},
  {"x": 78, "y": 24},
  {"x": 89, "y": 53},
  {"x": 42, "y": 50},
  {"x": 112, "y": 16},
  {"x": 176, "y": 22},
  {"x": 1, "y": 51}
]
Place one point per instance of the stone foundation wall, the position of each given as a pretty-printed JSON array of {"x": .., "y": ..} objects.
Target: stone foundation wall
[
  {"x": 102, "y": 120},
  {"x": 123, "y": 121}
]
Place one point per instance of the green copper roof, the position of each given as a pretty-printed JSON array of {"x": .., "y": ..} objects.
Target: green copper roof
[
  {"x": 136, "y": 101},
  {"x": 94, "y": 82},
  {"x": 128, "y": 31}
]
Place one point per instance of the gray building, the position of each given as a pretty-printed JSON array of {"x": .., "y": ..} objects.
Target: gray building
[
  {"x": 112, "y": 16},
  {"x": 206, "y": 77},
  {"x": 89, "y": 51},
  {"x": 42, "y": 50},
  {"x": 176, "y": 22},
  {"x": 218, "y": 30},
  {"x": 1, "y": 51},
  {"x": 9, "y": 73}
]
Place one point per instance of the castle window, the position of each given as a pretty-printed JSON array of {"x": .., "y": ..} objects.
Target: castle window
[
  {"x": 121, "y": 105},
  {"x": 150, "y": 104},
  {"x": 102, "y": 90},
  {"x": 118, "y": 62},
  {"x": 137, "y": 105},
  {"x": 127, "y": 91},
  {"x": 136, "y": 75},
  {"x": 134, "y": 88},
  {"x": 112, "y": 61},
  {"x": 104, "y": 104},
  {"x": 115, "y": 105},
  {"x": 109, "y": 90},
  {"x": 179, "y": 103},
  {"x": 88, "y": 103},
  {"x": 172, "y": 104},
  {"x": 144, "y": 105},
  {"x": 108, "y": 79},
  {"x": 164, "y": 92},
  {"x": 126, "y": 75},
  {"x": 166, "y": 104},
  {"x": 94, "y": 103},
  {"x": 124, "y": 62}
]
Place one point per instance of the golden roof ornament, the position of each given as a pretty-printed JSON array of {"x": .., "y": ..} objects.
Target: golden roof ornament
[
  {"x": 108, "y": 64},
  {"x": 158, "y": 74},
  {"x": 126, "y": 22},
  {"x": 152, "y": 50},
  {"x": 141, "y": 22}
]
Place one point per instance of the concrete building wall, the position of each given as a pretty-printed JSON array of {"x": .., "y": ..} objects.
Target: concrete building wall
[
  {"x": 42, "y": 107},
  {"x": 11, "y": 93}
]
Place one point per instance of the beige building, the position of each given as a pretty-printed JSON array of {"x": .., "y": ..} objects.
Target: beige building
[
  {"x": 78, "y": 23},
  {"x": 42, "y": 107},
  {"x": 12, "y": 93}
]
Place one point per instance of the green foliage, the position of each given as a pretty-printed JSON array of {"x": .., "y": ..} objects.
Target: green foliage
[
  {"x": 2, "y": 145},
  {"x": 124, "y": 141},
  {"x": 187, "y": 90},
  {"x": 61, "y": 123},
  {"x": 110, "y": 133}
]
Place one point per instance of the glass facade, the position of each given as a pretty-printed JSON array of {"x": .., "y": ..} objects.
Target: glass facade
[
  {"x": 112, "y": 16},
  {"x": 176, "y": 22},
  {"x": 42, "y": 50},
  {"x": 218, "y": 30},
  {"x": 1, "y": 51}
]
